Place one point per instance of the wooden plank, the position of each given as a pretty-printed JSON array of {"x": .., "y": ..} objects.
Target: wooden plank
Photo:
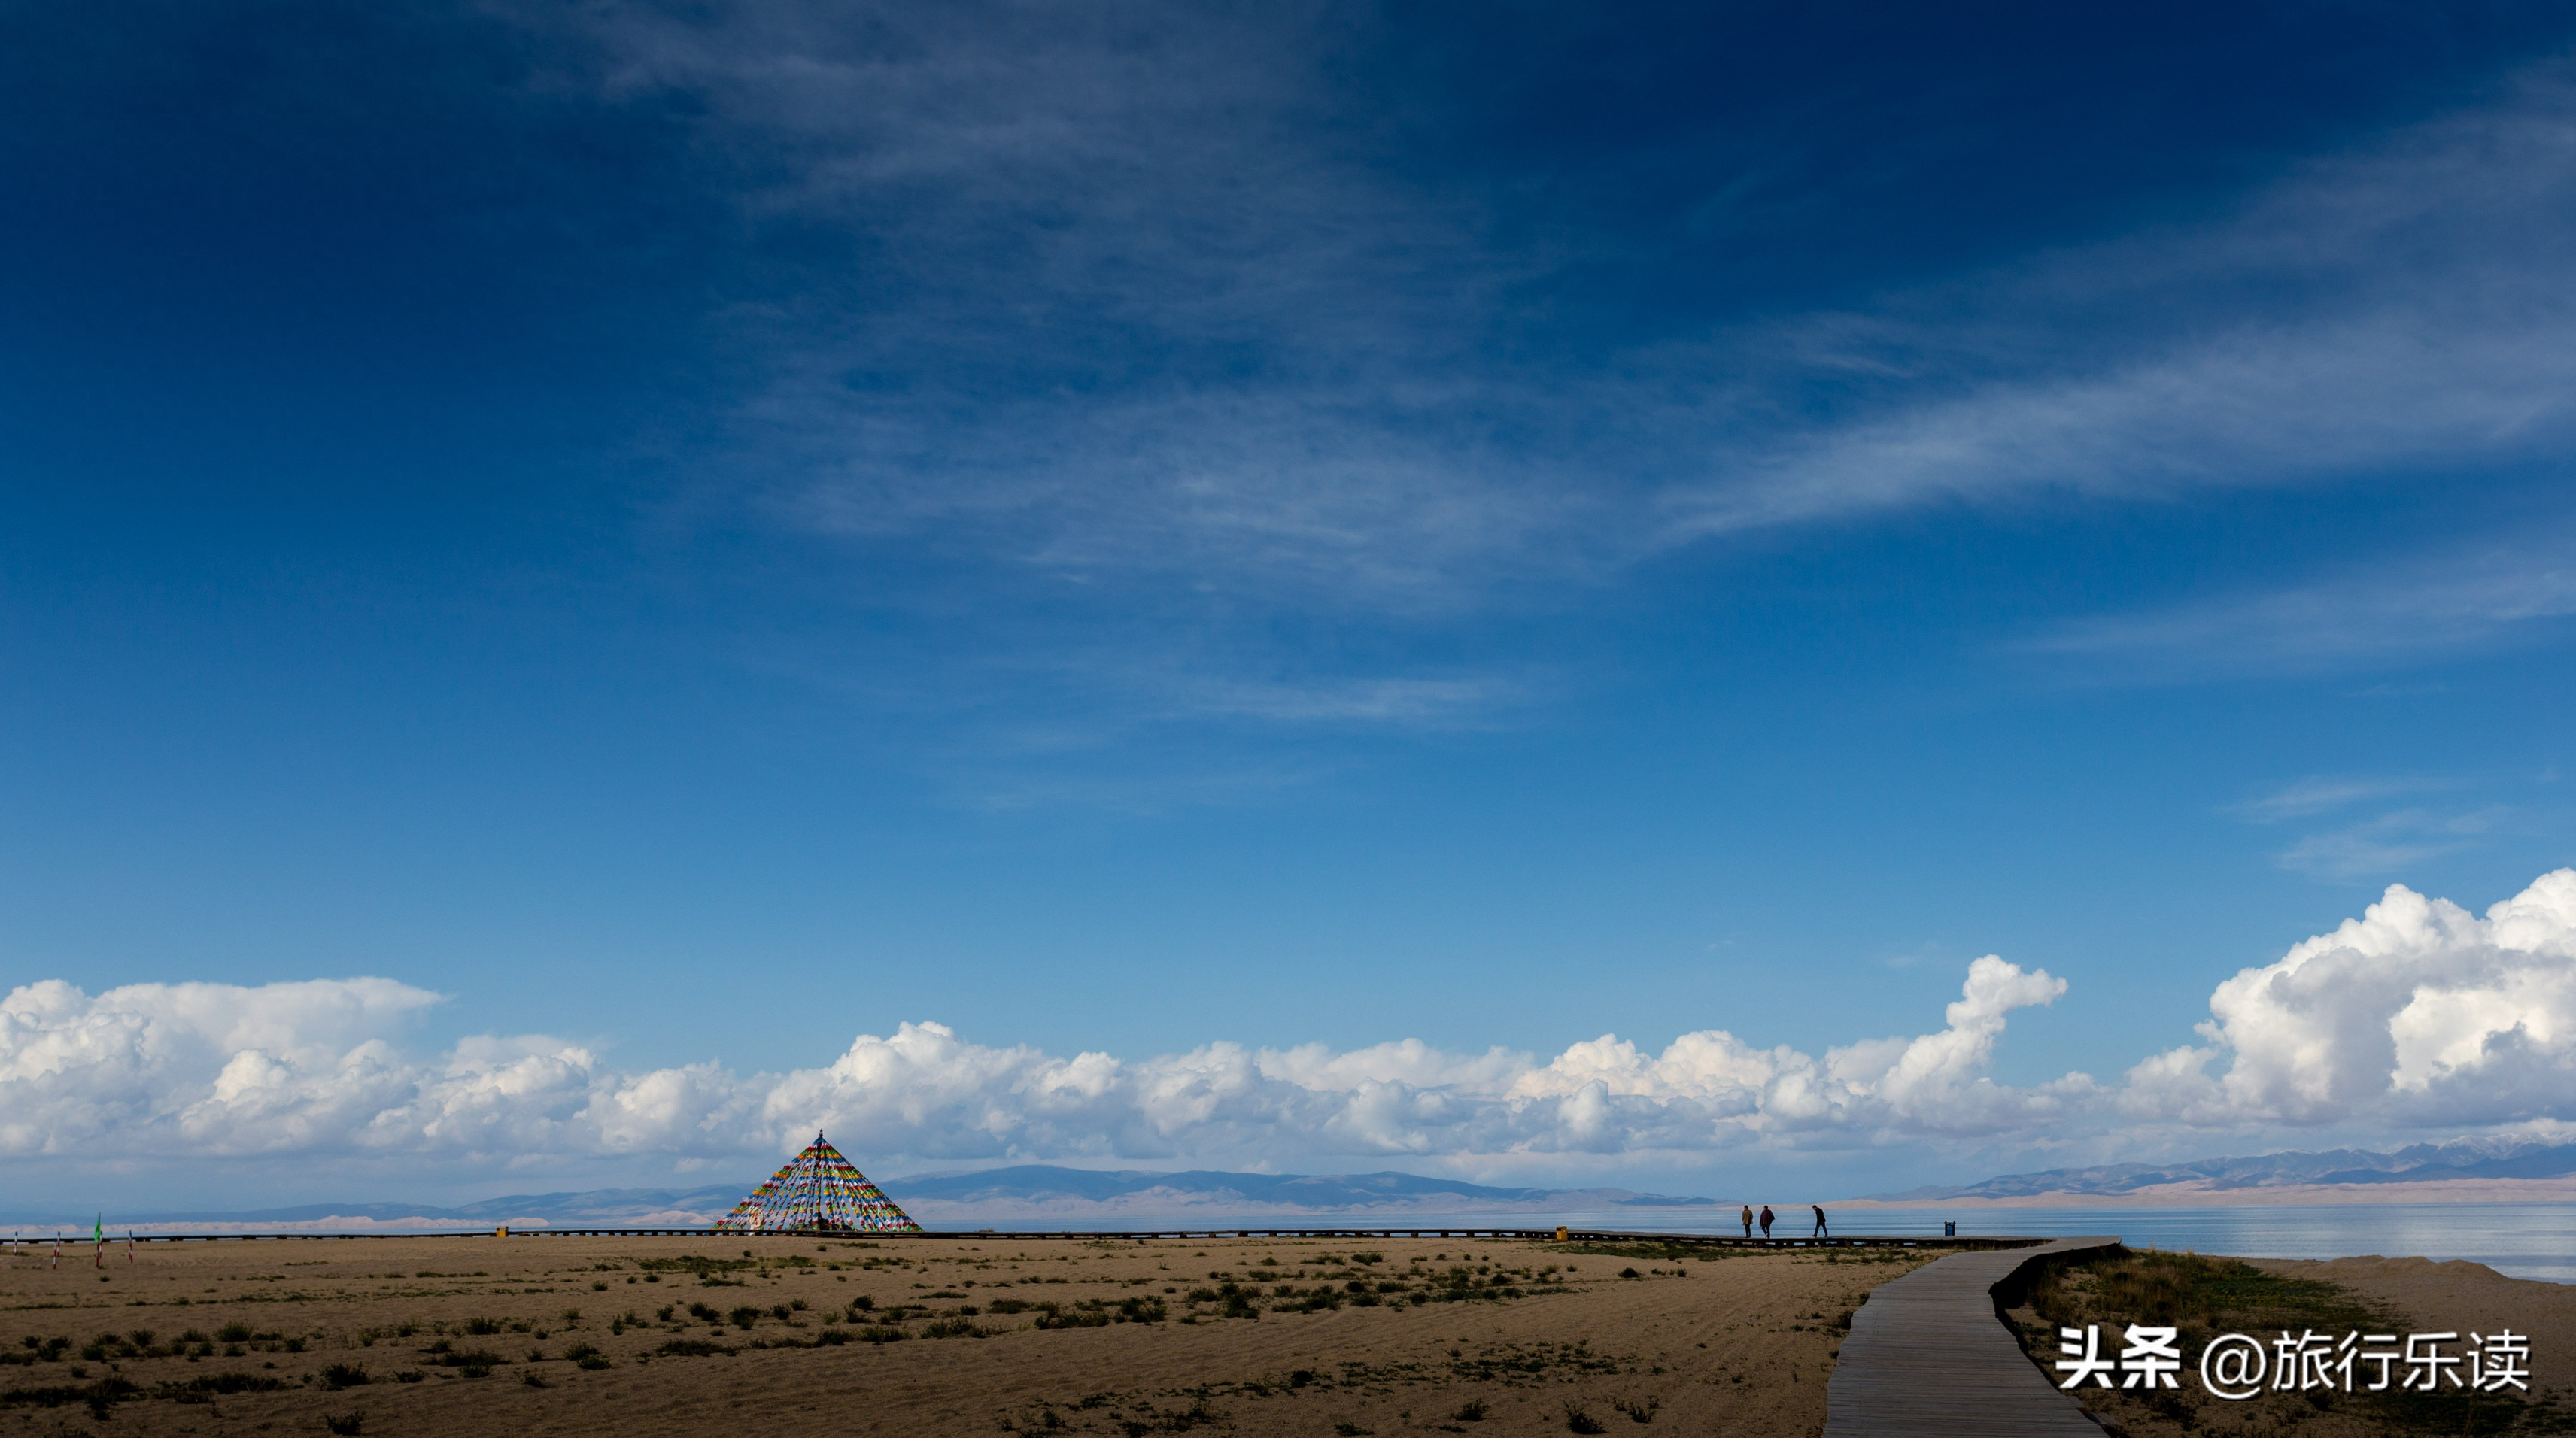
[{"x": 1928, "y": 1357}]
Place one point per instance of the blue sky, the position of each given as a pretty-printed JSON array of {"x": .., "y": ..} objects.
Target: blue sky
[{"x": 700, "y": 533}]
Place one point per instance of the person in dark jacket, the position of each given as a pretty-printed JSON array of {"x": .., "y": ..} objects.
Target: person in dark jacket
[
  {"x": 1767, "y": 1220},
  {"x": 1820, "y": 1221}
]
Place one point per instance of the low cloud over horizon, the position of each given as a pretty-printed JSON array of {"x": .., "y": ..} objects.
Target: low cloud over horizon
[{"x": 2416, "y": 1016}]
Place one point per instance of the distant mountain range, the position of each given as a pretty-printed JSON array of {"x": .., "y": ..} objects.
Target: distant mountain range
[
  {"x": 2334, "y": 1168},
  {"x": 596, "y": 1208},
  {"x": 1042, "y": 1194},
  {"x": 1033, "y": 1193},
  {"x": 1036, "y": 1190}
]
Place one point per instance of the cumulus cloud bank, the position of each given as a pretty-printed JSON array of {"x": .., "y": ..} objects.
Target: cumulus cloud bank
[
  {"x": 312, "y": 1067},
  {"x": 2416, "y": 1014}
]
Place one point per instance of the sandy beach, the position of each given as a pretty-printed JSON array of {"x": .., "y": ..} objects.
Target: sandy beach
[
  {"x": 735, "y": 1335},
  {"x": 2463, "y": 1298},
  {"x": 986, "y": 1336}
]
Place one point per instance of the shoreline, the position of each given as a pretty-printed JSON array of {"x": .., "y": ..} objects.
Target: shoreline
[{"x": 2179, "y": 1195}]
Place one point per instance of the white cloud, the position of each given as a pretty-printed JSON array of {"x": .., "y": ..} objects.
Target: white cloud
[
  {"x": 1077, "y": 225},
  {"x": 2444, "y": 599},
  {"x": 311, "y": 1069},
  {"x": 2357, "y": 847},
  {"x": 924, "y": 1091},
  {"x": 2387, "y": 843},
  {"x": 2416, "y": 1014},
  {"x": 2320, "y": 794},
  {"x": 1069, "y": 230},
  {"x": 2397, "y": 304},
  {"x": 215, "y": 1067},
  {"x": 1419, "y": 701},
  {"x": 1123, "y": 341}
]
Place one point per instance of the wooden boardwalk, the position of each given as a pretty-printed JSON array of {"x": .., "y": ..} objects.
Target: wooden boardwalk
[{"x": 1928, "y": 1357}]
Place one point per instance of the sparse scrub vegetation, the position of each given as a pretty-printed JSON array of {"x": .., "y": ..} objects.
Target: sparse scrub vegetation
[
  {"x": 2204, "y": 1296},
  {"x": 390, "y": 1339}
]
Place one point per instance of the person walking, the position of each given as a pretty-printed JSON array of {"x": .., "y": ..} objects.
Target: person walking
[
  {"x": 1766, "y": 1220},
  {"x": 1748, "y": 1220},
  {"x": 1820, "y": 1221}
]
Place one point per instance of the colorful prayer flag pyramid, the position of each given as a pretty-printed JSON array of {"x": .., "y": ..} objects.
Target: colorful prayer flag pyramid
[{"x": 817, "y": 1192}]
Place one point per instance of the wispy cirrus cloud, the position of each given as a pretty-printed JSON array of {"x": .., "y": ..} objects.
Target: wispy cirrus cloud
[
  {"x": 2321, "y": 793},
  {"x": 2373, "y": 844},
  {"x": 2388, "y": 307},
  {"x": 2460, "y": 599},
  {"x": 1104, "y": 340},
  {"x": 1124, "y": 295},
  {"x": 2389, "y": 843},
  {"x": 1137, "y": 297},
  {"x": 1411, "y": 701}
]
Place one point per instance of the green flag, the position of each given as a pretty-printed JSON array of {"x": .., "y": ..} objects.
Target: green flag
[{"x": 98, "y": 1229}]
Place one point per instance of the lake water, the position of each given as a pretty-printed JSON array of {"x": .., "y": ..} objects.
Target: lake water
[
  {"x": 2521, "y": 1240},
  {"x": 2524, "y": 1240}
]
